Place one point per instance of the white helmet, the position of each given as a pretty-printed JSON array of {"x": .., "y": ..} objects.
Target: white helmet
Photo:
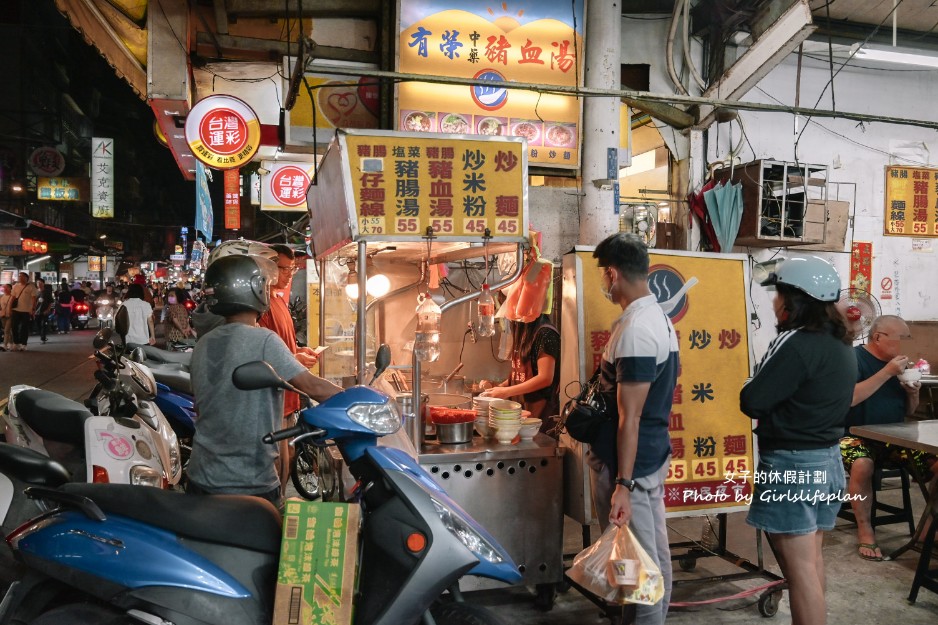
[
  {"x": 814, "y": 276},
  {"x": 242, "y": 247}
]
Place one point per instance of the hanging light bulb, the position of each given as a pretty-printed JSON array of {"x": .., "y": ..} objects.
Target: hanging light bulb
[
  {"x": 351, "y": 285},
  {"x": 377, "y": 285}
]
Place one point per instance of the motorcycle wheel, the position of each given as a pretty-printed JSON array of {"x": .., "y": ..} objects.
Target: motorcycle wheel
[
  {"x": 307, "y": 475},
  {"x": 458, "y": 613},
  {"x": 83, "y": 614}
]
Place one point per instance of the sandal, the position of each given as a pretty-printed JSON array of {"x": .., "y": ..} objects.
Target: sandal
[{"x": 872, "y": 547}]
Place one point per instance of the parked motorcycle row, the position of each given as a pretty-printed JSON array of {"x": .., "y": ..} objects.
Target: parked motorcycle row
[{"x": 91, "y": 509}]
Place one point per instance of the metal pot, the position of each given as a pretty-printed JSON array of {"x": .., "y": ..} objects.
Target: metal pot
[
  {"x": 455, "y": 385},
  {"x": 444, "y": 400},
  {"x": 454, "y": 433}
]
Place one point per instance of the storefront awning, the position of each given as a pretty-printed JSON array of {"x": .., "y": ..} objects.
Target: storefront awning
[{"x": 117, "y": 28}]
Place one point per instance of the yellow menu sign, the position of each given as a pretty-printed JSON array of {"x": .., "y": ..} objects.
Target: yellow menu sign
[
  {"x": 403, "y": 183},
  {"x": 711, "y": 440},
  {"x": 911, "y": 195}
]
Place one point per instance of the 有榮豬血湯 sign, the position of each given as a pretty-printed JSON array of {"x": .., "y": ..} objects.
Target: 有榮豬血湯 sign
[
  {"x": 911, "y": 205},
  {"x": 459, "y": 188},
  {"x": 223, "y": 132}
]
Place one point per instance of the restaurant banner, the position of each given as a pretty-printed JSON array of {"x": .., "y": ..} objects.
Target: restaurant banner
[
  {"x": 232, "y": 199},
  {"x": 462, "y": 188},
  {"x": 539, "y": 43},
  {"x": 911, "y": 195},
  {"x": 62, "y": 189},
  {"x": 711, "y": 440},
  {"x": 102, "y": 178},
  {"x": 283, "y": 188}
]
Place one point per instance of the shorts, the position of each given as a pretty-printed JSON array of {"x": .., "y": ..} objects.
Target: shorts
[
  {"x": 916, "y": 461},
  {"x": 797, "y": 491}
]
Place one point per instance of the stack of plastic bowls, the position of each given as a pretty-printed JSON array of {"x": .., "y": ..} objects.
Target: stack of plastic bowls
[
  {"x": 505, "y": 418},
  {"x": 481, "y": 405}
]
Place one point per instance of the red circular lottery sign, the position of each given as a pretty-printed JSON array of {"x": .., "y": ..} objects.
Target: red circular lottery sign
[
  {"x": 223, "y": 132},
  {"x": 288, "y": 185}
]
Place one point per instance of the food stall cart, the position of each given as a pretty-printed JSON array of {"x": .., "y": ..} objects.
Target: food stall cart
[{"x": 399, "y": 204}]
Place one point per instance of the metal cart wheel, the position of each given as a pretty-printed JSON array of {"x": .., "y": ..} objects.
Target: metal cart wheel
[
  {"x": 768, "y": 603},
  {"x": 687, "y": 563},
  {"x": 544, "y": 599}
]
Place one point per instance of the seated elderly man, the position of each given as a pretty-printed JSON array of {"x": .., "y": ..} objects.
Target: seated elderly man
[{"x": 879, "y": 398}]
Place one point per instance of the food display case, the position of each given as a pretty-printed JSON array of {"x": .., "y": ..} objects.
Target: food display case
[{"x": 399, "y": 204}]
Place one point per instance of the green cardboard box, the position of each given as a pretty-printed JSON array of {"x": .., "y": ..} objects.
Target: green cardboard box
[{"x": 318, "y": 563}]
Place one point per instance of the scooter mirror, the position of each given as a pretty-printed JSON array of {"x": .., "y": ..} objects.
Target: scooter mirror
[
  {"x": 255, "y": 375},
  {"x": 382, "y": 360},
  {"x": 122, "y": 322},
  {"x": 102, "y": 338}
]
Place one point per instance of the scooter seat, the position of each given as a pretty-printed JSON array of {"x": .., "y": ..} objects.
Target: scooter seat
[
  {"x": 156, "y": 354},
  {"x": 52, "y": 416},
  {"x": 237, "y": 520},
  {"x": 31, "y": 467},
  {"x": 173, "y": 376}
]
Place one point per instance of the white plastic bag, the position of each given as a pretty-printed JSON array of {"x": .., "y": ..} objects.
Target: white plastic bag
[{"x": 591, "y": 569}]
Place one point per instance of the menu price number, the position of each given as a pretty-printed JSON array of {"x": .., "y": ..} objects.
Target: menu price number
[
  {"x": 705, "y": 469},
  {"x": 677, "y": 471},
  {"x": 506, "y": 225},
  {"x": 919, "y": 227},
  {"x": 407, "y": 225},
  {"x": 371, "y": 225},
  {"x": 442, "y": 226},
  {"x": 736, "y": 466},
  {"x": 475, "y": 226},
  {"x": 896, "y": 227}
]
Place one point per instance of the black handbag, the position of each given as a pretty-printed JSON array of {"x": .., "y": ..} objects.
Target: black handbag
[{"x": 583, "y": 416}]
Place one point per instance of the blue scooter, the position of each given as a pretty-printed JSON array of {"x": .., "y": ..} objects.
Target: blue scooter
[{"x": 108, "y": 551}]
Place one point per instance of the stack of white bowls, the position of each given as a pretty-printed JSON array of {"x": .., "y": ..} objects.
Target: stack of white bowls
[
  {"x": 505, "y": 418},
  {"x": 481, "y": 405},
  {"x": 529, "y": 428}
]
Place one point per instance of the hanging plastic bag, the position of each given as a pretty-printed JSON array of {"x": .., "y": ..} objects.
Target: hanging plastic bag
[{"x": 600, "y": 567}]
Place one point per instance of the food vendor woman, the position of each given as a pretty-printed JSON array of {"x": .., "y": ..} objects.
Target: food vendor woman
[{"x": 535, "y": 370}]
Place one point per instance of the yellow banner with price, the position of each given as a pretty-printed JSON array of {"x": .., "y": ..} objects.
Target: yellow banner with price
[
  {"x": 404, "y": 183},
  {"x": 711, "y": 440},
  {"x": 911, "y": 195}
]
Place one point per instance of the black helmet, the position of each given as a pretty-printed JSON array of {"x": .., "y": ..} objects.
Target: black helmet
[{"x": 235, "y": 284}]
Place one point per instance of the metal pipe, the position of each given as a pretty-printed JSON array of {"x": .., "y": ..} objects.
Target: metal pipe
[
  {"x": 468, "y": 297},
  {"x": 322, "y": 310},
  {"x": 361, "y": 336}
]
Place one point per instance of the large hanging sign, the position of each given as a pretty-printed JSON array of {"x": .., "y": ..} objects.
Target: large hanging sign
[
  {"x": 541, "y": 44},
  {"x": 459, "y": 187},
  {"x": 711, "y": 440},
  {"x": 46, "y": 161},
  {"x": 284, "y": 188},
  {"x": 62, "y": 189},
  {"x": 911, "y": 195},
  {"x": 102, "y": 178},
  {"x": 223, "y": 132}
]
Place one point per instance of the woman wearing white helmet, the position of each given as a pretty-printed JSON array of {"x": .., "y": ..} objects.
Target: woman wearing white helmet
[{"x": 800, "y": 393}]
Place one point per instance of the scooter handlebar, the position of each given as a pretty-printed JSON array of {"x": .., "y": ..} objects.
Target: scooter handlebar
[{"x": 280, "y": 435}]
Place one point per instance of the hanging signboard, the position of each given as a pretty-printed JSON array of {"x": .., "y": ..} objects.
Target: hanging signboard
[
  {"x": 46, "y": 161},
  {"x": 542, "y": 44},
  {"x": 911, "y": 195},
  {"x": 232, "y": 199},
  {"x": 284, "y": 188},
  {"x": 711, "y": 440},
  {"x": 62, "y": 189},
  {"x": 223, "y": 132},
  {"x": 97, "y": 264},
  {"x": 102, "y": 178}
]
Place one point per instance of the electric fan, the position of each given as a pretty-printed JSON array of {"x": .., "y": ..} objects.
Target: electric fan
[
  {"x": 640, "y": 219},
  {"x": 859, "y": 309}
]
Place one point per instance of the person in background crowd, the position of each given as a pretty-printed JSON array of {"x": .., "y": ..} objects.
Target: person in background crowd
[
  {"x": 277, "y": 319},
  {"x": 140, "y": 318},
  {"x": 141, "y": 279},
  {"x": 44, "y": 306},
  {"x": 87, "y": 290},
  {"x": 24, "y": 307},
  {"x": 228, "y": 456},
  {"x": 177, "y": 316},
  {"x": 800, "y": 393},
  {"x": 535, "y": 370},
  {"x": 630, "y": 458},
  {"x": 63, "y": 307},
  {"x": 880, "y": 398},
  {"x": 6, "y": 316}
]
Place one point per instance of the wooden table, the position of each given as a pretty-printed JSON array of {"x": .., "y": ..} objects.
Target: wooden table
[{"x": 921, "y": 435}]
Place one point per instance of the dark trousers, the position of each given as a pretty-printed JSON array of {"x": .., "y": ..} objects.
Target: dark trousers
[{"x": 21, "y": 327}]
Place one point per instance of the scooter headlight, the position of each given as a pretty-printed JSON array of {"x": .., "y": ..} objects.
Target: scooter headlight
[
  {"x": 145, "y": 476},
  {"x": 462, "y": 530},
  {"x": 379, "y": 418}
]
